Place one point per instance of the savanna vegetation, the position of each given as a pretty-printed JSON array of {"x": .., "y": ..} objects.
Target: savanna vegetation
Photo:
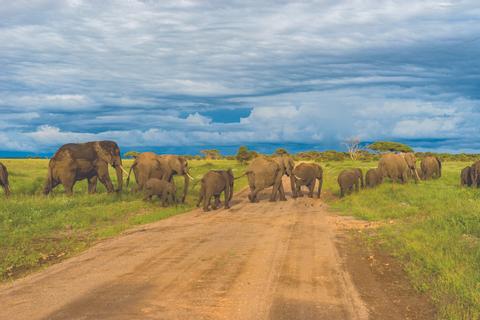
[
  {"x": 36, "y": 230},
  {"x": 433, "y": 227}
]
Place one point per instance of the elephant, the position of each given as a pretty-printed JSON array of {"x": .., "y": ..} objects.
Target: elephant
[
  {"x": 4, "y": 179},
  {"x": 348, "y": 180},
  {"x": 150, "y": 165},
  {"x": 77, "y": 161},
  {"x": 165, "y": 190},
  {"x": 360, "y": 176},
  {"x": 475, "y": 174},
  {"x": 398, "y": 167},
  {"x": 265, "y": 172},
  {"x": 306, "y": 174},
  {"x": 465, "y": 177},
  {"x": 373, "y": 178},
  {"x": 213, "y": 184},
  {"x": 431, "y": 168}
]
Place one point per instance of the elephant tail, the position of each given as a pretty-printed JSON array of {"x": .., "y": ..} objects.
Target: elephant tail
[
  {"x": 130, "y": 172},
  {"x": 241, "y": 176},
  {"x": 440, "y": 166},
  {"x": 49, "y": 183}
]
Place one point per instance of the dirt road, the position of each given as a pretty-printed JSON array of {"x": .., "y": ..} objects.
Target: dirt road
[{"x": 254, "y": 261}]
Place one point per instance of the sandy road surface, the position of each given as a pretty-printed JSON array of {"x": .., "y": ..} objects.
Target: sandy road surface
[{"x": 254, "y": 261}]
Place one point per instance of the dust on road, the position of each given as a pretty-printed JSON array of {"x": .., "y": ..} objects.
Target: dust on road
[{"x": 254, "y": 261}]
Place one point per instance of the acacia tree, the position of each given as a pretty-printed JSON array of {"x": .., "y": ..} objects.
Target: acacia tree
[
  {"x": 353, "y": 147},
  {"x": 389, "y": 146},
  {"x": 281, "y": 151},
  {"x": 212, "y": 154},
  {"x": 243, "y": 155}
]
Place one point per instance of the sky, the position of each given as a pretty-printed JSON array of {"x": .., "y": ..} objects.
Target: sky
[{"x": 181, "y": 76}]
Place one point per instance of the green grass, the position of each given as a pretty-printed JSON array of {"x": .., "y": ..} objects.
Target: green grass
[
  {"x": 36, "y": 230},
  {"x": 435, "y": 233}
]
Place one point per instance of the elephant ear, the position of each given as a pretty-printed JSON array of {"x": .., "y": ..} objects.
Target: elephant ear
[{"x": 102, "y": 153}]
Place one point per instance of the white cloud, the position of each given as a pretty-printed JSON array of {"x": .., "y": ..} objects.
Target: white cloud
[{"x": 144, "y": 72}]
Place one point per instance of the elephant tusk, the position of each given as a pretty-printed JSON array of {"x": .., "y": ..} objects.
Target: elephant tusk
[
  {"x": 188, "y": 175},
  {"x": 125, "y": 171},
  {"x": 296, "y": 177}
]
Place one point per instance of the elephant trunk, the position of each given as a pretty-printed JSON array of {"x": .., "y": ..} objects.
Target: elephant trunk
[
  {"x": 119, "y": 170},
  {"x": 186, "y": 178},
  {"x": 293, "y": 184},
  {"x": 417, "y": 177}
]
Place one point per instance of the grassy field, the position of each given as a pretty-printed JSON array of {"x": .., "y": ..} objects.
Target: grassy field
[
  {"x": 36, "y": 231},
  {"x": 432, "y": 227}
]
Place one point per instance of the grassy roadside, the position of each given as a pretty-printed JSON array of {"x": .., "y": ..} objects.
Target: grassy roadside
[
  {"x": 36, "y": 231},
  {"x": 435, "y": 233}
]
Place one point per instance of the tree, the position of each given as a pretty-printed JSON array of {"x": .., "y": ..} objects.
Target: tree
[
  {"x": 389, "y": 146},
  {"x": 353, "y": 147},
  {"x": 281, "y": 151},
  {"x": 131, "y": 154},
  {"x": 212, "y": 154},
  {"x": 243, "y": 155}
]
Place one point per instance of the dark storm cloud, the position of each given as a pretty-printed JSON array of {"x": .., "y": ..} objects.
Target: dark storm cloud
[{"x": 151, "y": 73}]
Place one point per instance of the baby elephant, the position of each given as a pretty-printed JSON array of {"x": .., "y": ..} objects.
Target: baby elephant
[
  {"x": 4, "y": 179},
  {"x": 163, "y": 189},
  {"x": 213, "y": 184},
  {"x": 306, "y": 174},
  {"x": 465, "y": 177},
  {"x": 373, "y": 178},
  {"x": 347, "y": 180}
]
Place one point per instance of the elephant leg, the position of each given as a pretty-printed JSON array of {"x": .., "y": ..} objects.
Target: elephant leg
[
  {"x": 357, "y": 187},
  {"x": 320, "y": 183},
  {"x": 276, "y": 187},
  {"x": 68, "y": 186},
  {"x": 311, "y": 187},
  {"x": 253, "y": 195},
  {"x": 206, "y": 201},
  {"x": 298, "y": 190},
  {"x": 282, "y": 193},
  {"x": 92, "y": 185},
  {"x": 227, "y": 200},
  {"x": 104, "y": 177},
  {"x": 148, "y": 197},
  {"x": 217, "y": 202},
  {"x": 200, "y": 200},
  {"x": 342, "y": 192}
]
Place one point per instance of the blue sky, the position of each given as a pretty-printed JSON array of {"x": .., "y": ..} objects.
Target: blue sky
[{"x": 172, "y": 75}]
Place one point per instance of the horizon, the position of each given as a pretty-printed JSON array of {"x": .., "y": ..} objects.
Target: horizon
[{"x": 181, "y": 76}]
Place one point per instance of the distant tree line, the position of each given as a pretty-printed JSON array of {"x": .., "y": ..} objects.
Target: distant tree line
[{"x": 371, "y": 152}]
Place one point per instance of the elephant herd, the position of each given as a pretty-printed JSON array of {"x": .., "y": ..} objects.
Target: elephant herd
[
  {"x": 154, "y": 174},
  {"x": 470, "y": 176},
  {"x": 397, "y": 167}
]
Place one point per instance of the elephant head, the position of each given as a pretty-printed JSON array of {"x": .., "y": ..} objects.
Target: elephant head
[
  {"x": 412, "y": 164},
  {"x": 175, "y": 165},
  {"x": 109, "y": 152},
  {"x": 288, "y": 166}
]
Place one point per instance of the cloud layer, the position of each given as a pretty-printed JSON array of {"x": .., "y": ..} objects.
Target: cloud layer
[{"x": 166, "y": 73}]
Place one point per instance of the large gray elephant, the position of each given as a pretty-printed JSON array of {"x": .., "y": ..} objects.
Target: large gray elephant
[
  {"x": 4, "y": 179},
  {"x": 213, "y": 183},
  {"x": 150, "y": 165},
  {"x": 77, "y": 161},
  {"x": 307, "y": 174},
  {"x": 265, "y": 172},
  {"x": 475, "y": 174},
  {"x": 431, "y": 168},
  {"x": 399, "y": 167},
  {"x": 465, "y": 177}
]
